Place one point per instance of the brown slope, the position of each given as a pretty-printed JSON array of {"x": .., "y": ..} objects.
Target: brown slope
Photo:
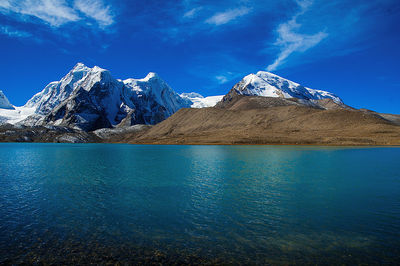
[
  {"x": 242, "y": 102},
  {"x": 395, "y": 119},
  {"x": 286, "y": 123}
]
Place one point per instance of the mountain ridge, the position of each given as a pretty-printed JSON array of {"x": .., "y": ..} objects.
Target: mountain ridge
[
  {"x": 90, "y": 98},
  {"x": 262, "y": 108}
]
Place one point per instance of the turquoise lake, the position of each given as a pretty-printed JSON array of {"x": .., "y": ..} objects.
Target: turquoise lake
[{"x": 108, "y": 203}]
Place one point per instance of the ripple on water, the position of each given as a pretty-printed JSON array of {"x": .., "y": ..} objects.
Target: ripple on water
[{"x": 80, "y": 204}]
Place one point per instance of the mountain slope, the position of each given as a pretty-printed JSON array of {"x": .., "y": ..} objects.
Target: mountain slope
[
  {"x": 266, "y": 109},
  {"x": 153, "y": 96},
  {"x": 90, "y": 98},
  {"x": 58, "y": 91},
  {"x": 282, "y": 123},
  {"x": 4, "y": 103},
  {"x": 93, "y": 103}
]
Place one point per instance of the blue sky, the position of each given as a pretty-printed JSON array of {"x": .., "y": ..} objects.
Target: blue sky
[{"x": 350, "y": 48}]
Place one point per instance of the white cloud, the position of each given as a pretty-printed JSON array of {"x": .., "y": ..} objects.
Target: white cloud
[
  {"x": 54, "y": 12},
  {"x": 291, "y": 41},
  {"x": 96, "y": 10},
  {"x": 58, "y": 12},
  {"x": 14, "y": 32},
  {"x": 226, "y": 76},
  {"x": 221, "y": 79},
  {"x": 228, "y": 16}
]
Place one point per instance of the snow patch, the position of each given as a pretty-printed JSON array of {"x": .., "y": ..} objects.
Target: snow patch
[
  {"x": 16, "y": 115},
  {"x": 199, "y": 101}
]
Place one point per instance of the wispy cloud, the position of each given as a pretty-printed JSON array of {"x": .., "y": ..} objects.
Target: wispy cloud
[
  {"x": 6, "y": 30},
  {"x": 228, "y": 16},
  {"x": 58, "y": 12},
  {"x": 221, "y": 79},
  {"x": 4, "y": 4},
  {"x": 192, "y": 12},
  {"x": 96, "y": 10},
  {"x": 289, "y": 41},
  {"x": 53, "y": 12}
]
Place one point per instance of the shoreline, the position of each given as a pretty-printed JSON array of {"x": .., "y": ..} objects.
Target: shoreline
[{"x": 222, "y": 144}]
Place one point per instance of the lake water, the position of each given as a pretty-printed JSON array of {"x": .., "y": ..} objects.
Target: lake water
[{"x": 107, "y": 203}]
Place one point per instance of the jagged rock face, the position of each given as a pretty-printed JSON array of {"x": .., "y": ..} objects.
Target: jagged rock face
[
  {"x": 90, "y": 98},
  {"x": 58, "y": 91},
  {"x": 79, "y": 111},
  {"x": 150, "y": 100},
  {"x": 4, "y": 103},
  {"x": 270, "y": 85}
]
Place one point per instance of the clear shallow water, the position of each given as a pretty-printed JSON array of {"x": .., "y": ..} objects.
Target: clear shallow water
[{"x": 99, "y": 203}]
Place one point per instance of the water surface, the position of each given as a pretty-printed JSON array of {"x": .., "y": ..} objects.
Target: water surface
[{"x": 102, "y": 203}]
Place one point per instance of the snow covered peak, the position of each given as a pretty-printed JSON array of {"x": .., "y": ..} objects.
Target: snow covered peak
[
  {"x": 263, "y": 77},
  {"x": 152, "y": 82},
  {"x": 4, "y": 103},
  {"x": 56, "y": 92},
  {"x": 80, "y": 67},
  {"x": 152, "y": 86},
  {"x": 81, "y": 74},
  {"x": 97, "y": 69},
  {"x": 143, "y": 84},
  {"x": 265, "y": 74},
  {"x": 270, "y": 85},
  {"x": 151, "y": 75},
  {"x": 97, "y": 75}
]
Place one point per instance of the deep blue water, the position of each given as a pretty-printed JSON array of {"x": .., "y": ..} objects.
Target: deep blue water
[{"x": 97, "y": 203}]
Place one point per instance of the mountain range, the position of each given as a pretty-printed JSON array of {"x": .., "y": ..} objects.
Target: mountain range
[
  {"x": 89, "y": 104},
  {"x": 91, "y": 98}
]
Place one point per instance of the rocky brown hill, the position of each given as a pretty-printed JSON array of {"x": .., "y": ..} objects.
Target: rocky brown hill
[{"x": 266, "y": 120}]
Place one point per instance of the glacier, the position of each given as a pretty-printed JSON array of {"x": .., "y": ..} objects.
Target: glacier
[
  {"x": 12, "y": 114},
  {"x": 199, "y": 101}
]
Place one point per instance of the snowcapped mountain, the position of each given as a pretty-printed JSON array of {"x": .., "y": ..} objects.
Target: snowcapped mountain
[
  {"x": 58, "y": 91},
  {"x": 4, "y": 103},
  {"x": 152, "y": 86},
  {"x": 199, "y": 101},
  {"x": 270, "y": 85},
  {"x": 90, "y": 98}
]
